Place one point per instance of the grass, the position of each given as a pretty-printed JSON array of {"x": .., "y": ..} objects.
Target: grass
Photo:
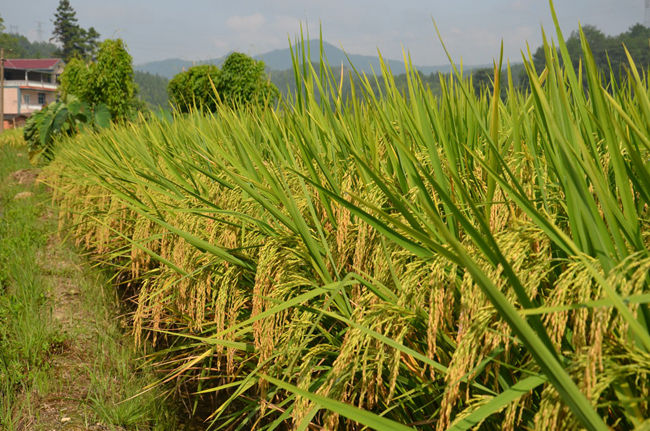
[
  {"x": 119, "y": 378},
  {"x": 394, "y": 262},
  {"x": 27, "y": 335},
  {"x": 117, "y": 391},
  {"x": 13, "y": 137},
  {"x": 35, "y": 366}
]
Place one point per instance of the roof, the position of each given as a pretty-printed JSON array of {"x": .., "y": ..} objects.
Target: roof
[{"x": 32, "y": 63}]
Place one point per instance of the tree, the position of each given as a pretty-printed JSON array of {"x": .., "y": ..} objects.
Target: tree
[
  {"x": 108, "y": 80},
  {"x": 112, "y": 79},
  {"x": 75, "y": 79},
  {"x": 243, "y": 81},
  {"x": 194, "y": 88},
  {"x": 66, "y": 30},
  {"x": 240, "y": 82},
  {"x": 75, "y": 41},
  {"x": 482, "y": 79},
  {"x": 637, "y": 41},
  {"x": 18, "y": 46},
  {"x": 90, "y": 42},
  {"x": 606, "y": 50}
]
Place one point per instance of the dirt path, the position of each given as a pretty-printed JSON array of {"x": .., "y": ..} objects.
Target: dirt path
[
  {"x": 65, "y": 406},
  {"x": 72, "y": 364},
  {"x": 62, "y": 404}
]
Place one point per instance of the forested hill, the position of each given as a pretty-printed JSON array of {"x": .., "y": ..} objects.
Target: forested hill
[
  {"x": 152, "y": 89},
  {"x": 608, "y": 49},
  {"x": 18, "y": 46}
]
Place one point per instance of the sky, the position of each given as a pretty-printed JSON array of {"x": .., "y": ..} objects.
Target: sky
[{"x": 203, "y": 29}]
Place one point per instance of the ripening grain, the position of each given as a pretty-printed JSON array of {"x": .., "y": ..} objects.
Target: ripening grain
[{"x": 428, "y": 261}]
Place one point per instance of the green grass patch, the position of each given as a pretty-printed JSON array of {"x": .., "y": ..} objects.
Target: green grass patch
[
  {"x": 27, "y": 335},
  {"x": 32, "y": 340},
  {"x": 120, "y": 390}
]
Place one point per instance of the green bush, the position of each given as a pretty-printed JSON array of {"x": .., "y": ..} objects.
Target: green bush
[
  {"x": 75, "y": 78},
  {"x": 108, "y": 81},
  {"x": 195, "y": 88},
  {"x": 240, "y": 82},
  {"x": 61, "y": 119},
  {"x": 243, "y": 81}
]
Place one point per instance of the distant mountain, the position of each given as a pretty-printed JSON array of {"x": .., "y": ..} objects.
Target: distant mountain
[
  {"x": 152, "y": 89},
  {"x": 280, "y": 59},
  {"x": 167, "y": 68}
]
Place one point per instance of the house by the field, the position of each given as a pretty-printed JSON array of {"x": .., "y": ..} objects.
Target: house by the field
[{"x": 29, "y": 84}]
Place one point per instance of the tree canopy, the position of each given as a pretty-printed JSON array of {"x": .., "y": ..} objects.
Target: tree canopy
[
  {"x": 75, "y": 41},
  {"x": 607, "y": 49},
  {"x": 244, "y": 81},
  {"x": 240, "y": 81},
  {"x": 194, "y": 88},
  {"x": 108, "y": 80}
]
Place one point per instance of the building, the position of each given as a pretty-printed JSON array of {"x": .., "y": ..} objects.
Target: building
[{"x": 29, "y": 84}]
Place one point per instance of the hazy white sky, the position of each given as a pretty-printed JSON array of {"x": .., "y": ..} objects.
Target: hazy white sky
[{"x": 202, "y": 29}]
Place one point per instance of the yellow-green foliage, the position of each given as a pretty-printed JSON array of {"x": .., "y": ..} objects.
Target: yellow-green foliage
[
  {"x": 468, "y": 260},
  {"x": 13, "y": 137}
]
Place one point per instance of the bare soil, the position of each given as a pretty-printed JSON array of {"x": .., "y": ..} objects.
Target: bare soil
[{"x": 24, "y": 176}]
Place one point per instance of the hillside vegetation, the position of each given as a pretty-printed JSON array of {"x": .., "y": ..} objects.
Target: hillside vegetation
[
  {"x": 396, "y": 262},
  {"x": 18, "y": 46},
  {"x": 152, "y": 89}
]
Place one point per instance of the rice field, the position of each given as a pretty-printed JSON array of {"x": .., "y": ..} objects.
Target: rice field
[{"x": 394, "y": 262}]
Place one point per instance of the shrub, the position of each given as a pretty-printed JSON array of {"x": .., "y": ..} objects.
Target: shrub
[
  {"x": 108, "y": 81},
  {"x": 60, "y": 119},
  {"x": 243, "y": 81},
  {"x": 240, "y": 82},
  {"x": 195, "y": 88}
]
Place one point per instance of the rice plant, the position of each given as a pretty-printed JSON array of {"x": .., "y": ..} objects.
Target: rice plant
[{"x": 391, "y": 261}]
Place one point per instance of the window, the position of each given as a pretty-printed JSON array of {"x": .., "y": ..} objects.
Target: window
[
  {"x": 41, "y": 98},
  {"x": 26, "y": 99}
]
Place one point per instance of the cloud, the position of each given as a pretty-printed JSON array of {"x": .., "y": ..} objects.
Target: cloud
[
  {"x": 246, "y": 23},
  {"x": 520, "y": 5},
  {"x": 286, "y": 24}
]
